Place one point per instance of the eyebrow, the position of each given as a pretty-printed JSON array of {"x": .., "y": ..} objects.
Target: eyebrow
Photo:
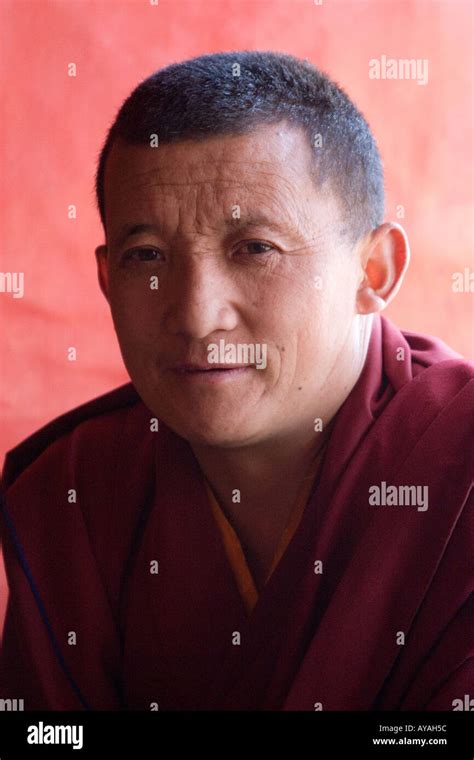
[
  {"x": 284, "y": 226},
  {"x": 134, "y": 229},
  {"x": 233, "y": 224}
]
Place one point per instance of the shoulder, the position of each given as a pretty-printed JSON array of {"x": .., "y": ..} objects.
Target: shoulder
[
  {"x": 424, "y": 366},
  {"x": 96, "y": 422},
  {"x": 414, "y": 404}
]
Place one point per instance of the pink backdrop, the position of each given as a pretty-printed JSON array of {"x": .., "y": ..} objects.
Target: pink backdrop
[{"x": 53, "y": 126}]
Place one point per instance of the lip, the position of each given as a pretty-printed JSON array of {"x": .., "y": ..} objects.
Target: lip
[
  {"x": 215, "y": 374},
  {"x": 194, "y": 367}
]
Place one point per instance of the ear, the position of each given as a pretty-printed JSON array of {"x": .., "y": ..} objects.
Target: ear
[
  {"x": 102, "y": 269},
  {"x": 385, "y": 257}
]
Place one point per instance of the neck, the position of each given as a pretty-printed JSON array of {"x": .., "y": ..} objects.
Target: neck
[{"x": 263, "y": 466}]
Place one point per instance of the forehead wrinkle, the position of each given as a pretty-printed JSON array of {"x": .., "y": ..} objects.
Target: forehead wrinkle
[
  {"x": 204, "y": 221},
  {"x": 276, "y": 204},
  {"x": 231, "y": 182},
  {"x": 292, "y": 215},
  {"x": 221, "y": 166}
]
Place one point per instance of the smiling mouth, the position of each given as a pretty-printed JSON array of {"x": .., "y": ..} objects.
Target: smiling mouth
[
  {"x": 207, "y": 368},
  {"x": 212, "y": 374}
]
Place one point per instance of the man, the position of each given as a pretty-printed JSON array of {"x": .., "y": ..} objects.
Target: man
[{"x": 277, "y": 513}]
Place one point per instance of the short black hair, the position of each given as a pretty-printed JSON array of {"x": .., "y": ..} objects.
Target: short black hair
[{"x": 232, "y": 93}]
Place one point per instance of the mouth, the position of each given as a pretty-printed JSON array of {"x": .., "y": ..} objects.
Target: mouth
[{"x": 217, "y": 374}]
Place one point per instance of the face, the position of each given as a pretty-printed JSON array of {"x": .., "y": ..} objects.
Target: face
[{"x": 227, "y": 242}]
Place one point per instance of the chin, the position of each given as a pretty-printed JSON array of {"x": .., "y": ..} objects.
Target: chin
[
  {"x": 207, "y": 423},
  {"x": 210, "y": 433}
]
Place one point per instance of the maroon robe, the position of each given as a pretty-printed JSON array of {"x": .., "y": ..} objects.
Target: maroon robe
[{"x": 387, "y": 625}]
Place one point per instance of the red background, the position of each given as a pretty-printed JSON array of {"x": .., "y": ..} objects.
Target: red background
[{"x": 54, "y": 125}]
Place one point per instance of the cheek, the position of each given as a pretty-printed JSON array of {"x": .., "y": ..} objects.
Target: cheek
[
  {"x": 307, "y": 323},
  {"x": 133, "y": 306},
  {"x": 135, "y": 333}
]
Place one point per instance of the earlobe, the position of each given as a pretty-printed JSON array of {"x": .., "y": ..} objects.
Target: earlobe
[
  {"x": 368, "y": 301},
  {"x": 102, "y": 269},
  {"x": 385, "y": 260}
]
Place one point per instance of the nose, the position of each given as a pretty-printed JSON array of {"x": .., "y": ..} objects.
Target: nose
[{"x": 199, "y": 297}]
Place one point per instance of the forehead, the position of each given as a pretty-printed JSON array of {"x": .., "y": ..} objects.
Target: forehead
[
  {"x": 280, "y": 146},
  {"x": 267, "y": 170}
]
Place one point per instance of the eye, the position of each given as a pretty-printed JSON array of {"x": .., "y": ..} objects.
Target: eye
[
  {"x": 257, "y": 244},
  {"x": 143, "y": 254}
]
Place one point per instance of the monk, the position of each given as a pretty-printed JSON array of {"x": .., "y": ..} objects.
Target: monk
[{"x": 276, "y": 513}]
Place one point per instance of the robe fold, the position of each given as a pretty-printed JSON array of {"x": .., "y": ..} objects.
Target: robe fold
[{"x": 122, "y": 595}]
